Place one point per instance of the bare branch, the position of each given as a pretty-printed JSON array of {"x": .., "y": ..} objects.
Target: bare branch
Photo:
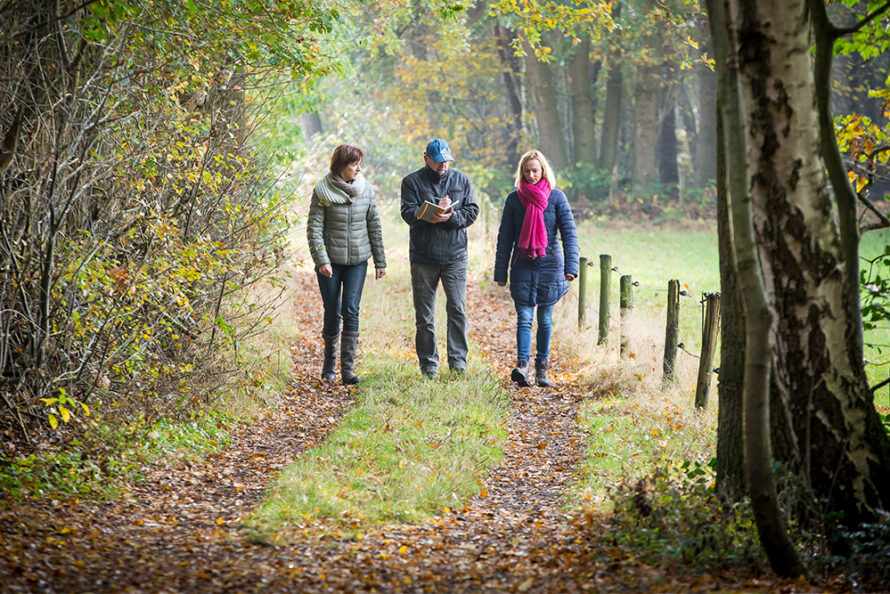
[{"x": 885, "y": 222}]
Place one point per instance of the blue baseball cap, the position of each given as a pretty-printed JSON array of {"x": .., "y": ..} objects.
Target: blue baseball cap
[{"x": 438, "y": 151}]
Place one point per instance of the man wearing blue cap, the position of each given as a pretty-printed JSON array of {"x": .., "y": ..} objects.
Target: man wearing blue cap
[{"x": 438, "y": 252}]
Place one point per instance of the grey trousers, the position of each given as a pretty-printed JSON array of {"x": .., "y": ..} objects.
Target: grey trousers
[{"x": 424, "y": 283}]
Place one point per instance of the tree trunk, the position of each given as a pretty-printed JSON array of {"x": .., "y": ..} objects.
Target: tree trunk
[
  {"x": 608, "y": 155},
  {"x": 666, "y": 151},
  {"x": 645, "y": 174},
  {"x": 730, "y": 467},
  {"x": 510, "y": 67},
  {"x": 706, "y": 140},
  {"x": 758, "y": 324},
  {"x": 541, "y": 88},
  {"x": 844, "y": 451},
  {"x": 311, "y": 125},
  {"x": 583, "y": 125}
]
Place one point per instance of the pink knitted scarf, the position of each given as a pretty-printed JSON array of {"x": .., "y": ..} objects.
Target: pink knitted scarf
[{"x": 533, "y": 236}]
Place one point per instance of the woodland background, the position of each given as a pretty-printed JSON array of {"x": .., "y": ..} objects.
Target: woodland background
[{"x": 152, "y": 154}]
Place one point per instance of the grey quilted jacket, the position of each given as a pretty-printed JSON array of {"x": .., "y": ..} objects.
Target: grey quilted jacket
[{"x": 344, "y": 232}]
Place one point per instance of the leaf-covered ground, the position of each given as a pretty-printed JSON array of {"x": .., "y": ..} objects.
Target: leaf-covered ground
[{"x": 180, "y": 529}]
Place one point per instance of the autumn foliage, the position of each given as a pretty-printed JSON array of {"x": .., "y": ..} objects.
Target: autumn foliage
[{"x": 135, "y": 214}]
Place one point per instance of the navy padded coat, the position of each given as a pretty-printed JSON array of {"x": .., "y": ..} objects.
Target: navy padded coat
[{"x": 540, "y": 281}]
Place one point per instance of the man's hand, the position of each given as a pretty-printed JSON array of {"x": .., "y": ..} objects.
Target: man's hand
[
  {"x": 444, "y": 202},
  {"x": 502, "y": 284},
  {"x": 379, "y": 273},
  {"x": 326, "y": 270}
]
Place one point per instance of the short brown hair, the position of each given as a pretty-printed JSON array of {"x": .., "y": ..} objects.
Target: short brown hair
[{"x": 343, "y": 156}]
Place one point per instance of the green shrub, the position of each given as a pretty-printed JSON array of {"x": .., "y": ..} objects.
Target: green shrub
[{"x": 673, "y": 516}]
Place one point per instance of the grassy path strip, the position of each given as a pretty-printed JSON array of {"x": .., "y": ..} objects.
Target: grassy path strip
[{"x": 409, "y": 448}]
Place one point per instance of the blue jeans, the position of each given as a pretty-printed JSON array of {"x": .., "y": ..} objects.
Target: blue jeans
[
  {"x": 524, "y": 315},
  {"x": 341, "y": 295}
]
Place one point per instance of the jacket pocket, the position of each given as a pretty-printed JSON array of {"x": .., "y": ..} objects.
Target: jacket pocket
[{"x": 553, "y": 251}]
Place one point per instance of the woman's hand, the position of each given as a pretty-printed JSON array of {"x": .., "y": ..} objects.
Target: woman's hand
[
  {"x": 379, "y": 273},
  {"x": 570, "y": 277},
  {"x": 326, "y": 270}
]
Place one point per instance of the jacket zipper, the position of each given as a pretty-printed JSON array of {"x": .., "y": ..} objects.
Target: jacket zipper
[{"x": 348, "y": 232}]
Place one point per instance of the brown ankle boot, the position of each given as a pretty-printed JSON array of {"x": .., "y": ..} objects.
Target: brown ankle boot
[{"x": 541, "y": 374}]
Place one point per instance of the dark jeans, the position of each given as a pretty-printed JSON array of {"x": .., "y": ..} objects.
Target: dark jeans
[{"x": 341, "y": 295}]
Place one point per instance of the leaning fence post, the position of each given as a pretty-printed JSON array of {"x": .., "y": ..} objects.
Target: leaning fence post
[
  {"x": 626, "y": 303},
  {"x": 582, "y": 292},
  {"x": 672, "y": 331},
  {"x": 708, "y": 344},
  {"x": 605, "y": 282}
]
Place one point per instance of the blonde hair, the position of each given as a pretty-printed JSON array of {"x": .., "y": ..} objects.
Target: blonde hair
[{"x": 547, "y": 172}]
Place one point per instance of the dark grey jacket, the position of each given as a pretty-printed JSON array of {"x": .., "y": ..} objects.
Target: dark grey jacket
[
  {"x": 345, "y": 233},
  {"x": 438, "y": 243}
]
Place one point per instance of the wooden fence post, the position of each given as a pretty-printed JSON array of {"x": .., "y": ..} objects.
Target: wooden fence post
[
  {"x": 626, "y": 303},
  {"x": 605, "y": 282},
  {"x": 708, "y": 344},
  {"x": 672, "y": 332},
  {"x": 582, "y": 292},
  {"x": 486, "y": 208}
]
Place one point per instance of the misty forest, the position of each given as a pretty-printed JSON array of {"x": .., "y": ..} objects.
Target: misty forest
[{"x": 659, "y": 361}]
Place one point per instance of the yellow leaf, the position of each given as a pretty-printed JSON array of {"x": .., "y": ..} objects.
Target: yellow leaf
[
  {"x": 402, "y": 549},
  {"x": 66, "y": 414},
  {"x": 86, "y": 409},
  {"x": 220, "y": 521},
  {"x": 53, "y": 421},
  {"x": 446, "y": 510}
]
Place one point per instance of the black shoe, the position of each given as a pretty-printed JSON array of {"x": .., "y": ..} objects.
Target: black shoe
[{"x": 519, "y": 375}]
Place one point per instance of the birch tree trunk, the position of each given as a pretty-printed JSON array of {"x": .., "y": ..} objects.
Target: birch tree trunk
[
  {"x": 758, "y": 314},
  {"x": 843, "y": 452}
]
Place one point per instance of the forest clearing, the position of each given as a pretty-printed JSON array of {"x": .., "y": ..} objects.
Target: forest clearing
[{"x": 657, "y": 361}]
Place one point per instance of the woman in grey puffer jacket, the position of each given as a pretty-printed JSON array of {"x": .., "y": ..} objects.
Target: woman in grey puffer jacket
[{"x": 343, "y": 230}]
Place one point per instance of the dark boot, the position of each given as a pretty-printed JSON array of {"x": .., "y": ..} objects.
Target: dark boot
[
  {"x": 348, "y": 347},
  {"x": 520, "y": 374},
  {"x": 331, "y": 346},
  {"x": 541, "y": 374}
]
